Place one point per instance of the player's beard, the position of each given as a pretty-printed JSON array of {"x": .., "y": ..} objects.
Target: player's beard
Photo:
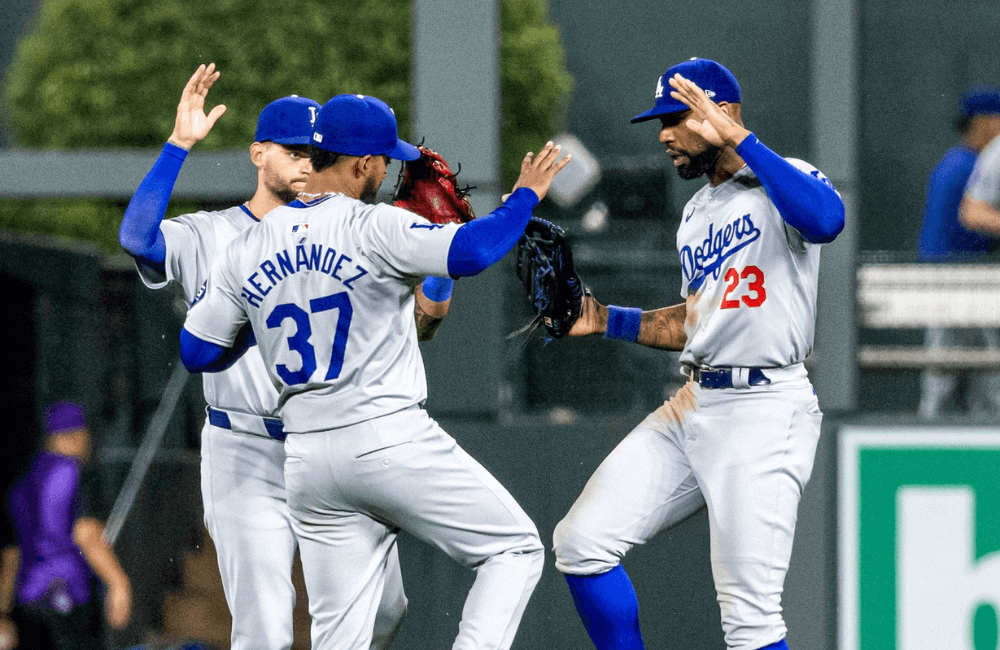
[
  {"x": 370, "y": 190},
  {"x": 280, "y": 188},
  {"x": 285, "y": 193},
  {"x": 699, "y": 163}
]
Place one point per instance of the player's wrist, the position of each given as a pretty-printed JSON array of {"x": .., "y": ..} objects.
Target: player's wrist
[
  {"x": 181, "y": 143},
  {"x": 737, "y": 137},
  {"x": 437, "y": 289},
  {"x": 623, "y": 323}
]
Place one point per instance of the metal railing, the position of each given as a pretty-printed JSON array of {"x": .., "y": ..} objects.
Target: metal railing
[{"x": 919, "y": 296}]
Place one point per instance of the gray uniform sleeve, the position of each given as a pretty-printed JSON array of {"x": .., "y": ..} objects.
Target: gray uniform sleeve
[
  {"x": 408, "y": 244},
  {"x": 218, "y": 316},
  {"x": 189, "y": 240},
  {"x": 984, "y": 184}
]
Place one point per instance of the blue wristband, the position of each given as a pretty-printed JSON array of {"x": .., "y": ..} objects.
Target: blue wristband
[
  {"x": 623, "y": 323},
  {"x": 437, "y": 289}
]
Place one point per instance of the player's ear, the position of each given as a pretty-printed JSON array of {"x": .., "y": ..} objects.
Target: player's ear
[
  {"x": 732, "y": 110},
  {"x": 361, "y": 166},
  {"x": 257, "y": 151}
]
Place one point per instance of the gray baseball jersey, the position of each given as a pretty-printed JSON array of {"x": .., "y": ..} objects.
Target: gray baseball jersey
[
  {"x": 750, "y": 283},
  {"x": 734, "y": 246},
  {"x": 193, "y": 241},
  {"x": 984, "y": 184},
  {"x": 242, "y": 480},
  {"x": 337, "y": 266}
]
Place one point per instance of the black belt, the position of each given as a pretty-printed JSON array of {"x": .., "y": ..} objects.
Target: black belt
[
  {"x": 271, "y": 426},
  {"x": 723, "y": 377}
]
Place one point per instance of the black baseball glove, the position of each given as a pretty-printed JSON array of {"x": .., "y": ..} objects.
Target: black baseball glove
[{"x": 545, "y": 268}]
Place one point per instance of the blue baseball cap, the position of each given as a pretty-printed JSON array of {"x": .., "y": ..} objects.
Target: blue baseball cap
[
  {"x": 980, "y": 100},
  {"x": 718, "y": 83},
  {"x": 288, "y": 120},
  {"x": 359, "y": 125}
]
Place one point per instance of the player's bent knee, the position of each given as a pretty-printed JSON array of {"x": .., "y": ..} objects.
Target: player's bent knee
[{"x": 578, "y": 553}]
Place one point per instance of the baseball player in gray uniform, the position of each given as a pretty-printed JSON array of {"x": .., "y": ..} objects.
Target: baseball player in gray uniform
[
  {"x": 242, "y": 451},
  {"x": 328, "y": 285},
  {"x": 980, "y": 207},
  {"x": 740, "y": 436}
]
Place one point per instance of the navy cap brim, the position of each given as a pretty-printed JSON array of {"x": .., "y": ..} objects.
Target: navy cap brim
[
  {"x": 299, "y": 140},
  {"x": 404, "y": 151},
  {"x": 666, "y": 108}
]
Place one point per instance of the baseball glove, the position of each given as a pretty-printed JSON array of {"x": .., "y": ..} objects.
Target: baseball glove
[
  {"x": 428, "y": 187},
  {"x": 545, "y": 267}
]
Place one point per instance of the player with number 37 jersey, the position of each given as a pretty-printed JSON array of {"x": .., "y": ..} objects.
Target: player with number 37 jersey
[
  {"x": 338, "y": 266},
  {"x": 328, "y": 284}
]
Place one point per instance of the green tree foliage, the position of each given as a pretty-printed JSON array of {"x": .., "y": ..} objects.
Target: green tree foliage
[
  {"x": 536, "y": 86},
  {"x": 106, "y": 74}
]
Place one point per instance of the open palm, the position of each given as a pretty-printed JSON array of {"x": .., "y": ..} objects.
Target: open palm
[
  {"x": 192, "y": 124},
  {"x": 715, "y": 126}
]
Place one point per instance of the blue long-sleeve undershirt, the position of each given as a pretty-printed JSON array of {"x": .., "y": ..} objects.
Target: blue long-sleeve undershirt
[
  {"x": 807, "y": 203},
  {"x": 199, "y": 355},
  {"x": 140, "y": 232},
  {"x": 477, "y": 245},
  {"x": 484, "y": 241}
]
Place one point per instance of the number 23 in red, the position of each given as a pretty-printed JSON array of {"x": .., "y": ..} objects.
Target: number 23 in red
[{"x": 755, "y": 294}]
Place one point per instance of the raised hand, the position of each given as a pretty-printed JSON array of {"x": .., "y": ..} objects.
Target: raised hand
[
  {"x": 538, "y": 171},
  {"x": 709, "y": 120},
  {"x": 192, "y": 124}
]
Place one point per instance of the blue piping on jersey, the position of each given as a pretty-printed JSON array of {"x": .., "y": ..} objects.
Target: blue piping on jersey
[
  {"x": 484, "y": 241},
  {"x": 806, "y": 202},
  {"x": 139, "y": 233},
  {"x": 248, "y": 213},
  {"x": 199, "y": 355}
]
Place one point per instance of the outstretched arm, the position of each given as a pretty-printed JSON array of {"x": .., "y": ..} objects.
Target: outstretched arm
[
  {"x": 484, "y": 241},
  {"x": 658, "y": 328},
  {"x": 139, "y": 233}
]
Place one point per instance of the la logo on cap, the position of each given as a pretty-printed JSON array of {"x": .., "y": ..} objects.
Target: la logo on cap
[{"x": 659, "y": 88}]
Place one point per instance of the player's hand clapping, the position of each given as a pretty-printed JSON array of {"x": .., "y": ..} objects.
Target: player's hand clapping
[
  {"x": 709, "y": 120},
  {"x": 192, "y": 124},
  {"x": 538, "y": 171}
]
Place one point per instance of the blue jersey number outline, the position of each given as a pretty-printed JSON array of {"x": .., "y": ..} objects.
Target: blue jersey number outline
[{"x": 299, "y": 343}]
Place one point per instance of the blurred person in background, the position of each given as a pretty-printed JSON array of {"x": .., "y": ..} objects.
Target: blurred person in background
[
  {"x": 947, "y": 237},
  {"x": 47, "y": 598}
]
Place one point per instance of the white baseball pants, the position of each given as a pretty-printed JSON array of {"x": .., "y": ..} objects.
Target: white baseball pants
[
  {"x": 351, "y": 489},
  {"x": 243, "y": 492},
  {"x": 745, "y": 453}
]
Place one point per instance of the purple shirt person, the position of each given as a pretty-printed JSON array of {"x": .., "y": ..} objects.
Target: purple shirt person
[
  {"x": 59, "y": 547},
  {"x": 44, "y": 506}
]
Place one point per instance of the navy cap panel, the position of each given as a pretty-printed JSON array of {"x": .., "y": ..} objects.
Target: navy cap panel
[
  {"x": 288, "y": 120},
  {"x": 717, "y": 82},
  {"x": 359, "y": 125}
]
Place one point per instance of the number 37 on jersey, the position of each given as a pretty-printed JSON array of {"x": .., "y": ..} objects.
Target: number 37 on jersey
[{"x": 301, "y": 318}]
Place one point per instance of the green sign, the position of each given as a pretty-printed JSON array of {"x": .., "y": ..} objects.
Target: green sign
[{"x": 919, "y": 547}]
